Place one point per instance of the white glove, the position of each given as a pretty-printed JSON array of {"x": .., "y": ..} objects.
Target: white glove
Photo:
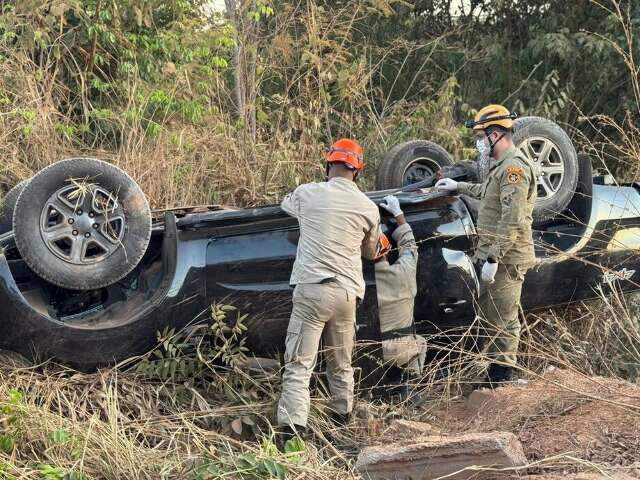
[
  {"x": 391, "y": 205},
  {"x": 489, "y": 272},
  {"x": 447, "y": 185}
]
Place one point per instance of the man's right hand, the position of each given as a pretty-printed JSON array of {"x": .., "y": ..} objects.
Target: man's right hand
[{"x": 447, "y": 185}]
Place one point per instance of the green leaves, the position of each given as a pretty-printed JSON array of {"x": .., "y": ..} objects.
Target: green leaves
[
  {"x": 266, "y": 464},
  {"x": 251, "y": 466},
  {"x": 208, "y": 471},
  {"x": 59, "y": 437},
  {"x": 295, "y": 446},
  {"x": 48, "y": 472},
  {"x": 13, "y": 413},
  {"x": 7, "y": 442},
  {"x": 184, "y": 355},
  {"x": 262, "y": 10}
]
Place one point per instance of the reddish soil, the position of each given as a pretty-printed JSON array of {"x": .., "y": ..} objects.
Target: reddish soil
[
  {"x": 562, "y": 414},
  {"x": 567, "y": 424}
]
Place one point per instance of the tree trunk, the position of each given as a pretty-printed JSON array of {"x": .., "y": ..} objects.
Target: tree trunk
[
  {"x": 244, "y": 60},
  {"x": 232, "y": 15}
]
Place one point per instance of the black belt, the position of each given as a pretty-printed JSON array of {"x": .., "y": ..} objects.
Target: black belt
[
  {"x": 329, "y": 280},
  {"x": 397, "y": 333}
]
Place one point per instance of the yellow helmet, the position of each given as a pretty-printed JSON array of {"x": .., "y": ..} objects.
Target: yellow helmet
[{"x": 492, "y": 116}]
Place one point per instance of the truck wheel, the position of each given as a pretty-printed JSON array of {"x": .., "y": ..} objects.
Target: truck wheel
[
  {"x": 7, "y": 205},
  {"x": 410, "y": 162},
  {"x": 82, "y": 224},
  {"x": 555, "y": 160}
]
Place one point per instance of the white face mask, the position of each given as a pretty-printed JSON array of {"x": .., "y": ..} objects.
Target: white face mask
[
  {"x": 482, "y": 147},
  {"x": 483, "y": 160}
]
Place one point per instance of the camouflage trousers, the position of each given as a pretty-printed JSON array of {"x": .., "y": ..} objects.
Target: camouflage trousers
[
  {"x": 320, "y": 311},
  {"x": 498, "y": 307}
]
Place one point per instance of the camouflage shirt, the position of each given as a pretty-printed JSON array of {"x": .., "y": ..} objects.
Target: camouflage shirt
[{"x": 506, "y": 198}]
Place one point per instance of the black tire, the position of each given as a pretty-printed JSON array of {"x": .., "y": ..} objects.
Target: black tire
[
  {"x": 555, "y": 190},
  {"x": 7, "y": 205},
  {"x": 111, "y": 230},
  {"x": 421, "y": 155},
  {"x": 580, "y": 205}
]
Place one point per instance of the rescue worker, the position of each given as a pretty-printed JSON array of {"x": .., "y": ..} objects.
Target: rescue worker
[
  {"x": 505, "y": 245},
  {"x": 338, "y": 225},
  {"x": 396, "y": 288}
]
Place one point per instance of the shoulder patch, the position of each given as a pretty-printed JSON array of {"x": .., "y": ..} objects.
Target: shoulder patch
[{"x": 514, "y": 174}]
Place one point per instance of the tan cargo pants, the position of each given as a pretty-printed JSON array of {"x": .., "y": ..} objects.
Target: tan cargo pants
[
  {"x": 326, "y": 311},
  {"x": 498, "y": 312},
  {"x": 408, "y": 351}
]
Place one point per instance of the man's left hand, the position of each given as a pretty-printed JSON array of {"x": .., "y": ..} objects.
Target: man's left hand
[
  {"x": 489, "y": 271},
  {"x": 391, "y": 204}
]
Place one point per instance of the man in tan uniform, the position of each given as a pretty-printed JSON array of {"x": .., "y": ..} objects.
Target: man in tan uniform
[
  {"x": 338, "y": 225},
  {"x": 396, "y": 288},
  {"x": 505, "y": 245}
]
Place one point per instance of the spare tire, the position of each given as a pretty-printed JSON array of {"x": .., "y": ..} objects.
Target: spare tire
[
  {"x": 547, "y": 146},
  {"x": 82, "y": 224},
  {"x": 554, "y": 157},
  {"x": 7, "y": 205},
  {"x": 410, "y": 162}
]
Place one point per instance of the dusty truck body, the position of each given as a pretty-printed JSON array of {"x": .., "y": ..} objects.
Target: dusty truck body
[{"x": 244, "y": 257}]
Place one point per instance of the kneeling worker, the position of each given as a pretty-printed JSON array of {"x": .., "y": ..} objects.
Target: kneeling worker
[{"x": 396, "y": 288}]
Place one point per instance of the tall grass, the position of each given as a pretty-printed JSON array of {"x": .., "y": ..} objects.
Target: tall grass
[
  {"x": 178, "y": 134},
  {"x": 217, "y": 423}
]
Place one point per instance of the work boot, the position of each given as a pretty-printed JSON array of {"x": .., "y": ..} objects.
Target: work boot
[
  {"x": 410, "y": 385},
  {"x": 288, "y": 432},
  {"x": 498, "y": 376},
  {"x": 339, "y": 419}
]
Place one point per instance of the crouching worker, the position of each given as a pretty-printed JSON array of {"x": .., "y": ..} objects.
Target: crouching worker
[
  {"x": 338, "y": 225},
  {"x": 396, "y": 288}
]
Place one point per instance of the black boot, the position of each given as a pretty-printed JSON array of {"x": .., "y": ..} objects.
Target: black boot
[
  {"x": 410, "y": 384},
  {"x": 288, "y": 432},
  {"x": 498, "y": 375},
  {"x": 339, "y": 419}
]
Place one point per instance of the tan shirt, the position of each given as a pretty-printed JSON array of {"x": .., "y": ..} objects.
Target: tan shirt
[
  {"x": 507, "y": 197},
  {"x": 338, "y": 225},
  {"x": 396, "y": 284}
]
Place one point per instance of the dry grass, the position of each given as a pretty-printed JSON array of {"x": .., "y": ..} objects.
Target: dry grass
[
  {"x": 115, "y": 425},
  {"x": 119, "y": 424},
  {"x": 216, "y": 159}
]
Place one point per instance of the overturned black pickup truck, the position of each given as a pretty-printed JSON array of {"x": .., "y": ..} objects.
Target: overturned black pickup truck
[{"x": 88, "y": 275}]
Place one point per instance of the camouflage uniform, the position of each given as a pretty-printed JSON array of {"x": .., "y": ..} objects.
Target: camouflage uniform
[
  {"x": 504, "y": 223},
  {"x": 396, "y": 288}
]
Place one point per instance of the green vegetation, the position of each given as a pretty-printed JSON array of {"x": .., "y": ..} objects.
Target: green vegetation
[{"x": 237, "y": 106}]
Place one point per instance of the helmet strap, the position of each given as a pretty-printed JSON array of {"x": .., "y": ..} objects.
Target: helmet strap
[{"x": 492, "y": 144}]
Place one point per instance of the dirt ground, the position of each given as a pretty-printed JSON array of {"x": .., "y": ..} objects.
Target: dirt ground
[{"x": 567, "y": 424}]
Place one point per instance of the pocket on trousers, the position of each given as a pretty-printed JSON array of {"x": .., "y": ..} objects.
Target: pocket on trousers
[
  {"x": 310, "y": 291},
  {"x": 293, "y": 340}
]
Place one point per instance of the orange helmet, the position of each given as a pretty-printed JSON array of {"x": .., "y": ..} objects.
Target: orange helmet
[
  {"x": 346, "y": 151},
  {"x": 492, "y": 115},
  {"x": 384, "y": 245}
]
